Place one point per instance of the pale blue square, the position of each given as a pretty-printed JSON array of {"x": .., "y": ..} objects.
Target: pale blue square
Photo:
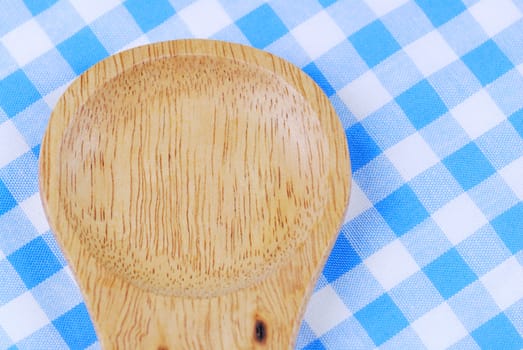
[
  {"x": 149, "y": 14},
  {"x": 374, "y": 43},
  {"x": 337, "y": 337},
  {"x": 21, "y": 176},
  {"x": 13, "y": 13},
  {"x": 454, "y": 83},
  {"x": 351, "y": 15},
  {"x": 397, "y": 73},
  {"x": 7, "y": 63},
  {"x": 262, "y": 26},
  {"x": 12, "y": 286},
  {"x": 449, "y": 273},
  {"x": 460, "y": 40},
  {"x": 32, "y": 122},
  {"x": 15, "y": 236},
  {"x": 405, "y": 339},
  {"x": 60, "y": 21},
  {"x": 231, "y": 34},
  {"x": 378, "y": 178},
  {"x": 402, "y": 210},
  {"x": 407, "y": 23},
  {"x": 305, "y": 336},
  {"x": 465, "y": 343},
  {"x": 320, "y": 283},
  {"x": 342, "y": 55},
  {"x": 426, "y": 242},
  {"x": 288, "y": 48},
  {"x": 172, "y": 29},
  {"x": 487, "y": 62},
  {"x": 493, "y": 196},
  {"x": 510, "y": 41},
  {"x": 44, "y": 338},
  {"x": 115, "y": 29},
  {"x": 488, "y": 335},
  {"x": 82, "y": 50},
  {"x": 237, "y": 9},
  {"x": 378, "y": 125},
  {"x": 357, "y": 288},
  {"x": 346, "y": 117},
  {"x": 506, "y": 91},
  {"x": 49, "y": 71},
  {"x": 441, "y": 11},
  {"x": 469, "y": 166},
  {"x": 381, "y": 319},
  {"x": 448, "y": 142},
  {"x": 473, "y": 305},
  {"x": 57, "y": 295},
  {"x": 515, "y": 315},
  {"x": 435, "y": 187},
  {"x": 288, "y": 13},
  {"x": 415, "y": 296},
  {"x": 421, "y": 104},
  {"x": 368, "y": 232}
]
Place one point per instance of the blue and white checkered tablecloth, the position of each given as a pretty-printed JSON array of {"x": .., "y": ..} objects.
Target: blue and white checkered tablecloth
[{"x": 430, "y": 93}]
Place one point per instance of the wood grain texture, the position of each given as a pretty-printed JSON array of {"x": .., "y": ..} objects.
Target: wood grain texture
[{"x": 196, "y": 188}]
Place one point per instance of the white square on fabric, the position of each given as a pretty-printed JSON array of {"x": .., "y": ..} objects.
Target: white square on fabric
[
  {"x": 478, "y": 114},
  {"x": 513, "y": 176},
  {"x": 505, "y": 283},
  {"x": 391, "y": 265},
  {"x": 21, "y": 317},
  {"x": 430, "y": 53},
  {"x": 381, "y": 7},
  {"x": 439, "y": 328},
  {"x": 27, "y": 42},
  {"x": 411, "y": 156},
  {"x": 318, "y": 35},
  {"x": 33, "y": 209},
  {"x": 459, "y": 218},
  {"x": 358, "y": 202},
  {"x": 364, "y": 95},
  {"x": 495, "y": 15},
  {"x": 205, "y": 17},
  {"x": 325, "y": 310},
  {"x": 12, "y": 144},
  {"x": 92, "y": 9}
]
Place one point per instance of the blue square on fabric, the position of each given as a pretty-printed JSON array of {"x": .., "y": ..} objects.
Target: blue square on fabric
[
  {"x": 482, "y": 260},
  {"x": 374, "y": 43},
  {"x": 34, "y": 262},
  {"x": 7, "y": 201},
  {"x": 13, "y": 288},
  {"x": 509, "y": 227},
  {"x": 473, "y": 305},
  {"x": 449, "y": 273},
  {"x": 341, "y": 259},
  {"x": 327, "y": 3},
  {"x": 262, "y": 26},
  {"x": 362, "y": 147},
  {"x": 469, "y": 166},
  {"x": 422, "y": 104},
  {"x": 382, "y": 319},
  {"x": 17, "y": 92},
  {"x": 149, "y": 13},
  {"x": 312, "y": 70},
  {"x": 487, "y": 62},
  {"x": 315, "y": 345},
  {"x": 516, "y": 120},
  {"x": 441, "y": 11},
  {"x": 82, "y": 50},
  {"x": 37, "y": 6},
  {"x": 415, "y": 296},
  {"x": 76, "y": 328},
  {"x": 402, "y": 210},
  {"x": 44, "y": 338},
  {"x": 498, "y": 333}
]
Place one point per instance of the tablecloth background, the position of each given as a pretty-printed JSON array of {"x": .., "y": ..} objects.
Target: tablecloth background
[{"x": 430, "y": 94}]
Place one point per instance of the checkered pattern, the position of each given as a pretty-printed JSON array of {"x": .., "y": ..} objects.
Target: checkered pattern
[{"x": 430, "y": 95}]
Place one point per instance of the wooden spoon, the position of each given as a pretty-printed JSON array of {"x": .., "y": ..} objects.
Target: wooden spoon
[{"x": 196, "y": 188}]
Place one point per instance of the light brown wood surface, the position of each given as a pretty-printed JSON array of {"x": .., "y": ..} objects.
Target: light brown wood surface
[{"x": 196, "y": 188}]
